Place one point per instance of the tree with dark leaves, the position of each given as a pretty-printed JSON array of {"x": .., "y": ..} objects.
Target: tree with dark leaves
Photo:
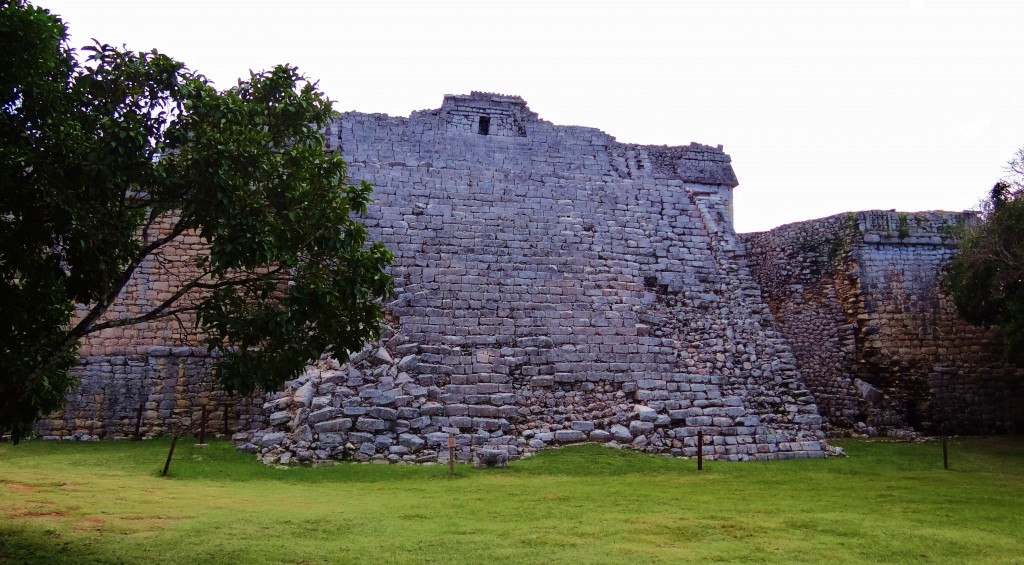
[
  {"x": 986, "y": 278},
  {"x": 105, "y": 163}
]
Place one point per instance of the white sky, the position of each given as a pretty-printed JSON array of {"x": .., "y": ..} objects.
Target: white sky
[{"x": 825, "y": 107}]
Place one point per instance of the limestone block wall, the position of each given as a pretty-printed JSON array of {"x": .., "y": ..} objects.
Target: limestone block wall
[
  {"x": 159, "y": 365},
  {"x": 171, "y": 385},
  {"x": 882, "y": 348},
  {"x": 797, "y": 266},
  {"x": 155, "y": 280}
]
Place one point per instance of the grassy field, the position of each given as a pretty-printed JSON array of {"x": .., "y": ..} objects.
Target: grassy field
[{"x": 887, "y": 502}]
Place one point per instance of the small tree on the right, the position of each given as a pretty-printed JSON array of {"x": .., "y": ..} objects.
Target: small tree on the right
[{"x": 986, "y": 278}]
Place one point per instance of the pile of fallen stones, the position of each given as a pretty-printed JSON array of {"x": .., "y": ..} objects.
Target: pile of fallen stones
[
  {"x": 367, "y": 408},
  {"x": 386, "y": 405}
]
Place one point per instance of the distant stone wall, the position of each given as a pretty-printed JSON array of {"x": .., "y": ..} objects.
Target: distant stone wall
[{"x": 881, "y": 347}]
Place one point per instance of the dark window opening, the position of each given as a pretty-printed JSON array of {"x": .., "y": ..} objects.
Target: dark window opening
[
  {"x": 485, "y": 125},
  {"x": 913, "y": 415}
]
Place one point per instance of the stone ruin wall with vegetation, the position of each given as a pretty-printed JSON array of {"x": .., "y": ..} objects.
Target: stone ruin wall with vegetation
[
  {"x": 552, "y": 286},
  {"x": 881, "y": 347},
  {"x": 158, "y": 366}
]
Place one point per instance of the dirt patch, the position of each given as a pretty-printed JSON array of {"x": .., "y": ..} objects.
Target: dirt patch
[
  {"x": 89, "y": 524},
  {"x": 42, "y": 515},
  {"x": 21, "y": 488}
]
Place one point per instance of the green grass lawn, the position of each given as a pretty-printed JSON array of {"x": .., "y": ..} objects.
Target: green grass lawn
[{"x": 887, "y": 502}]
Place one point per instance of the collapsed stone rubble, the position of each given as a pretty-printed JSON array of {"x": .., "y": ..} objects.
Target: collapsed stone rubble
[{"x": 380, "y": 406}]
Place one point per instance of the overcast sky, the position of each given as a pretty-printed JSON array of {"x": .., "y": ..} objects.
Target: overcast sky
[{"x": 825, "y": 107}]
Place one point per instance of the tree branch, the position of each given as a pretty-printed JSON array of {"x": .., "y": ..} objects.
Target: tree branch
[
  {"x": 155, "y": 314},
  {"x": 85, "y": 324},
  {"x": 83, "y": 327},
  {"x": 164, "y": 308}
]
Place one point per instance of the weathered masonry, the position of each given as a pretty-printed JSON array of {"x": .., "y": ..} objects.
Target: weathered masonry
[
  {"x": 153, "y": 374},
  {"x": 552, "y": 286},
  {"x": 858, "y": 298}
]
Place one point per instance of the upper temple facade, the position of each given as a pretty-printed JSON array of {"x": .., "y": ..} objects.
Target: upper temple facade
[{"x": 553, "y": 285}]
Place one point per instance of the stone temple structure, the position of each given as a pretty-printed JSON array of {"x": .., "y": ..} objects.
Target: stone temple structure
[{"x": 554, "y": 285}]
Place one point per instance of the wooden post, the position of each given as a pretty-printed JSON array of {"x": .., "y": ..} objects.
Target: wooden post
[
  {"x": 138, "y": 422},
  {"x": 170, "y": 454},
  {"x": 202, "y": 427},
  {"x": 451, "y": 456},
  {"x": 945, "y": 453},
  {"x": 700, "y": 450}
]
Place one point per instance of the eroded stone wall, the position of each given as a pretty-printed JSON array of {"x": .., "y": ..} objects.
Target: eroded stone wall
[{"x": 881, "y": 347}]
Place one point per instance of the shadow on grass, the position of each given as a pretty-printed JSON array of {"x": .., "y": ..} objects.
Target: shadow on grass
[{"x": 27, "y": 546}]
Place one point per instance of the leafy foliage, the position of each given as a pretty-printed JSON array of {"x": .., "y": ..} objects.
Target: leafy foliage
[
  {"x": 94, "y": 157},
  {"x": 986, "y": 278}
]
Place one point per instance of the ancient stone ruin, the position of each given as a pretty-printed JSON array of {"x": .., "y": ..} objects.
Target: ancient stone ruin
[
  {"x": 556, "y": 286},
  {"x": 858, "y": 298}
]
